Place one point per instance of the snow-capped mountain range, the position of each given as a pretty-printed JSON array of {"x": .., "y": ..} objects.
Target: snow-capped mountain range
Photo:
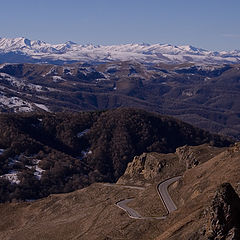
[{"x": 25, "y": 50}]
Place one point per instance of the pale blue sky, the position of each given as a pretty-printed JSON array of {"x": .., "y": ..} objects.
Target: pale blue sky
[{"x": 210, "y": 24}]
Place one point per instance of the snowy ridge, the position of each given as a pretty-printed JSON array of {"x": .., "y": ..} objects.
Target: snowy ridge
[{"x": 69, "y": 51}]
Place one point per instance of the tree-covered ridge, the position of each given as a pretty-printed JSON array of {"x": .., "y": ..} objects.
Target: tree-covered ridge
[{"x": 44, "y": 153}]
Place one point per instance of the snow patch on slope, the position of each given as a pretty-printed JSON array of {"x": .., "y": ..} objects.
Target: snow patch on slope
[
  {"x": 37, "y": 170},
  {"x": 15, "y": 103},
  {"x": 81, "y": 134},
  {"x": 11, "y": 177},
  {"x": 57, "y": 79},
  {"x": 42, "y": 106},
  {"x": 2, "y": 151},
  {"x": 19, "y": 83}
]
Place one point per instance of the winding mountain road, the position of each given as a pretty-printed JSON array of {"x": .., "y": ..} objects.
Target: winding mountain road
[
  {"x": 162, "y": 190},
  {"x": 131, "y": 212}
]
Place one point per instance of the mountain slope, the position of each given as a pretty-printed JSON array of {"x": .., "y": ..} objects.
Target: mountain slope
[
  {"x": 46, "y": 153},
  {"x": 197, "y": 199},
  {"x": 91, "y": 213},
  {"x": 204, "y": 95},
  {"x": 25, "y": 50}
]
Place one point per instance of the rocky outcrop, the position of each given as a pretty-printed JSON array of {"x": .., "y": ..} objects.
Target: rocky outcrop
[
  {"x": 236, "y": 147},
  {"x": 192, "y": 156},
  {"x": 225, "y": 214},
  {"x": 187, "y": 156},
  {"x": 145, "y": 167},
  {"x": 149, "y": 166}
]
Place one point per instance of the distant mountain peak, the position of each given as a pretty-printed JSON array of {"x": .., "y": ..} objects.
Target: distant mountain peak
[
  {"x": 38, "y": 51},
  {"x": 192, "y": 48},
  {"x": 71, "y": 43}
]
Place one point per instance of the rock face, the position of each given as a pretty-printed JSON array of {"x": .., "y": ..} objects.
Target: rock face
[
  {"x": 192, "y": 156},
  {"x": 146, "y": 165},
  {"x": 225, "y": 214},
  {"x": 149, "y": 166},
  {"x": 187, "y": 156},
  {"x": 236, "y": 147}
]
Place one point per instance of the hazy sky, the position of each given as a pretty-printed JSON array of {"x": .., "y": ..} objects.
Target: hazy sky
[{"x": 210, "y": 24}]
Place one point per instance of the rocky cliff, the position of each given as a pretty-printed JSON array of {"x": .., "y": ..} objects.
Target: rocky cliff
[
  {"x": 225, "y": 214},
  {"x": 149, "y": 166}
]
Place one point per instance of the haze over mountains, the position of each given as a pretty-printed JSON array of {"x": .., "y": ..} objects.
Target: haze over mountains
[{"x": 25, "y": 50}]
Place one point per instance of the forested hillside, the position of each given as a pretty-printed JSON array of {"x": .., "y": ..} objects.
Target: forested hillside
[{"x": 44, "y": 153}]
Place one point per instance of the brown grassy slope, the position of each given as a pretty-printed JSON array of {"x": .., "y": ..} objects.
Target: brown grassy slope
[
  {"x": 195, "y": 193},
  {"x": 89, "y": 213}
]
